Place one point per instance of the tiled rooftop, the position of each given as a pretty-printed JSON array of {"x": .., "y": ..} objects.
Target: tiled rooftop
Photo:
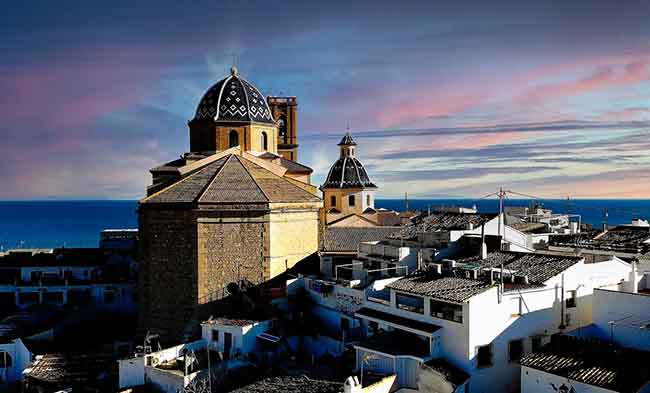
[
  {"x": 231, "y": 179},
  {"x": 454, "y": 289},
  {"x": 592, "y": 362},
  {"x": 537, "y": 267},
  {"x": 291, "y": 384},
  {"x": 437, "y": 222},
  {"x": 75, "y": 369},
  {"x": 347, "y": 239}
]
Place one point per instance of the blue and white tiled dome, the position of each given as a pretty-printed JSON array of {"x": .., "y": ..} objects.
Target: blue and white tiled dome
[
  {"x": 234, "y": 99},
  {"x": 347, "y": 171}
]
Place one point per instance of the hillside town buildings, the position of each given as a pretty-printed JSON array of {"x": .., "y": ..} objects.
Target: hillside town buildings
[{"x": 252, "y": 279}]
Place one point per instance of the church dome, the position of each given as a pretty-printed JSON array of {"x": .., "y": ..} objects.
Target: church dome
[
  {"x": 347, "y": 171},
  {"x": 234, "y": 99}
]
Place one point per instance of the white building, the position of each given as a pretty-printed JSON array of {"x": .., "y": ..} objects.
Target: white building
[
  {"x": 227, "y": 342},
  {"x": 447, "y": 233},
  {"x": 480, "y": 315},
  {"x": 14, "y": 358},
  {"x": 609, "y": 355},
  {"x": 78, "y": 277}
]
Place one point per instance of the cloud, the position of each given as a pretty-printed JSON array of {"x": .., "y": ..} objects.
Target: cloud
[{"x": 604, "y": 77}]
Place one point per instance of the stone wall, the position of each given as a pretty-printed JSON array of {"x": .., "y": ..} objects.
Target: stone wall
[
  {"x": 231, "y": 247},
  {"x": 168, "y": 282}
]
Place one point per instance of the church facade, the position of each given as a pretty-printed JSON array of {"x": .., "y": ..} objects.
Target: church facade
[
  {"x": 348, "y": 192},
  {"x": 234, "y": 208}
]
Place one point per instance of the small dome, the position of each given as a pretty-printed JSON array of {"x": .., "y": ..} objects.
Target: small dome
[
  {"x": 347, "y": 171},
  {"x": 234, "y": 99}
]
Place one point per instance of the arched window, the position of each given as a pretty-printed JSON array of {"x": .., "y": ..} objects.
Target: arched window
[
  {"x": 265, "y": 141},
  {"x": 351, "y": 201},
  {"x": 233, "y": 139},
  {"x": 282, "y": 127},
  {"x": 333, "y": 200},
  {"x": 5, "y": 360},
  {"x": 368, "y": 200}
]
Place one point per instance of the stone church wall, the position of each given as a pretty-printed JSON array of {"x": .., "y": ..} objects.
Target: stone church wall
[
  {"x": 168, "y": 284},
  {"x": 231, "y": 249}
]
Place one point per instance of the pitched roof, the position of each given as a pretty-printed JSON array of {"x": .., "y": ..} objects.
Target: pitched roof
[
  {"x": 231, "y": 179},
  {"x": 537, "y": 267},
  {"x": 437, "y": 222},
  {"x": 454, "y": 289},
  {"x": 592, "y": 362},
  {"x": 290, "y": 165},
  {"x": 347, "y": 239}
]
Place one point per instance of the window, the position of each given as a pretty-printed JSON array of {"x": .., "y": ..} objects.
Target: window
[
  {"x": 351, "y": 201},
  {"x": 368, "y": 200},
  {"x": 410, "y": 303},
  {"x": 535, "y": 343},
  {"x": 5, "y": 360},
  {"x": 215, "y": 335},
  {"x": 515, "y": 350},
  {"x": 570, "y": 299},
  {"x": 373, "y": 327},
  {"x": 484, "y": 356},
  {"x": 448, "y": 311},
  {"x": 233, "y": 139},
  {"x": 333, "y": 200},
  {"x": 265, "y": 141}
]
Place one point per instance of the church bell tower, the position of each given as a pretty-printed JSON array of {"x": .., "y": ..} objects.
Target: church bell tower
[{"x": 284, "y": 110}]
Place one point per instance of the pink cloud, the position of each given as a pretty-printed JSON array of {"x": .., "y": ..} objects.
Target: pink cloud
[
  {"x": 627, "y": 114},
  {"x": 604, "y": 77}
]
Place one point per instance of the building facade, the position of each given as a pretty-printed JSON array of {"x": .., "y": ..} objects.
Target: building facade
[
  {"x": 232, "y": 209},
  {"x": 347, "y": 190}
]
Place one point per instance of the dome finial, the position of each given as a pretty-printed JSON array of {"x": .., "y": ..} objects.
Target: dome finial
[{"x": 233, "y": 71}]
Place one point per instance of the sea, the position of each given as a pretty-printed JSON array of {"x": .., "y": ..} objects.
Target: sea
[{"x": 50, "y": 224}]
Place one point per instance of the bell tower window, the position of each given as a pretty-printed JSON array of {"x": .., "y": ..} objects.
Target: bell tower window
[
  {"x": 351, "y": 201},
  {"x": 265, "y": 141},
  {"x": 233, "y": 138}
]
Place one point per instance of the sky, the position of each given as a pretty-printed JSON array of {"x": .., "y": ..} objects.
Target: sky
[{"x": 445, "y": 99}]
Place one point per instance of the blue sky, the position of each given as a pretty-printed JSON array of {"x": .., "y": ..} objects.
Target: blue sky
[{"x": 549, "y": 98}]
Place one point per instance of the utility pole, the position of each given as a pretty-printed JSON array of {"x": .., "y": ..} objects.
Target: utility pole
[{"x": 501, "y": 195}]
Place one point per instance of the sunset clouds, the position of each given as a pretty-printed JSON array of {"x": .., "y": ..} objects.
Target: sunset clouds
[{"x": 444, "y": 99}]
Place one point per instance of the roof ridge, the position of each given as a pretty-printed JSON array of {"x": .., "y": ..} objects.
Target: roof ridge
[
  {"x": 183, "y": 179},
  {"x": 214, "y": 178},
  {"x": 268, "y": 199},
  {"x": 283, "y": 178}
]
